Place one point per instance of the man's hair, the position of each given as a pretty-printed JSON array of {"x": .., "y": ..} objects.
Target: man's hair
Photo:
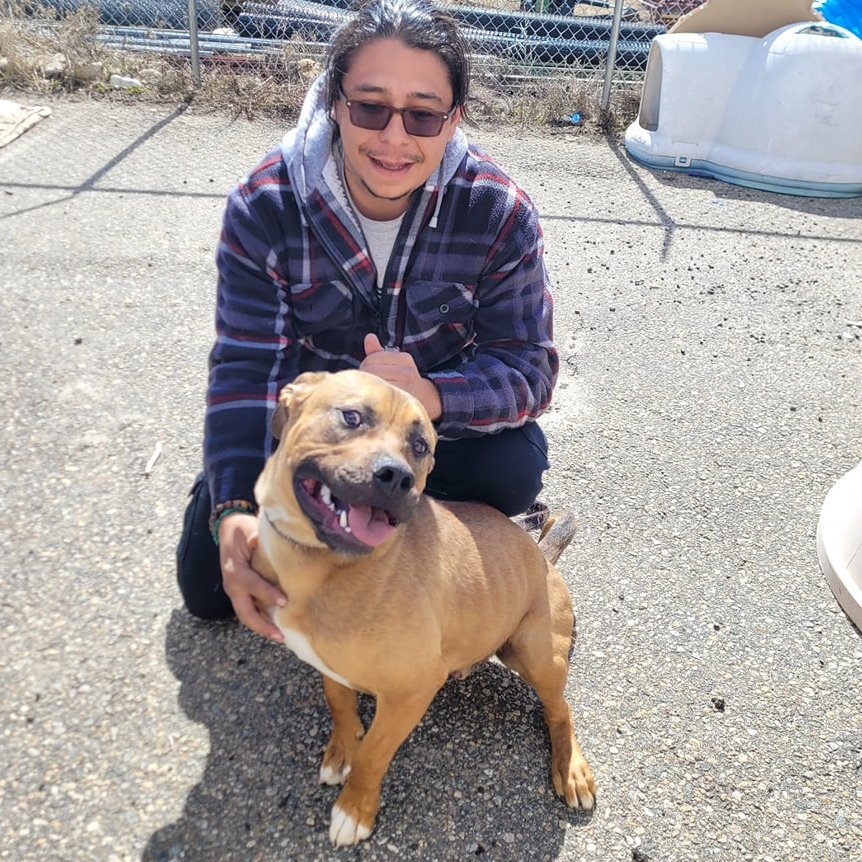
[{"x": 417, "y": 24}]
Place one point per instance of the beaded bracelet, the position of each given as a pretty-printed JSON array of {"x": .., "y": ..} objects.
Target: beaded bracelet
[{"x": 229, "y": 507}]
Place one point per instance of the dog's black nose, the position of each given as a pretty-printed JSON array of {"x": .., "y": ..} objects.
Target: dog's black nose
[{"x": 394, "y": 478}]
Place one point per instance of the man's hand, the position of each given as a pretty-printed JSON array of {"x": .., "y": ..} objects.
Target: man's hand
[
  {"x": 400, "y": 370},
  {"x": 247, "y": 590}
]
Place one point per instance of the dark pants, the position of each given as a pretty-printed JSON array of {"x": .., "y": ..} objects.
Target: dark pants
[{"x": 503, "y": 470}]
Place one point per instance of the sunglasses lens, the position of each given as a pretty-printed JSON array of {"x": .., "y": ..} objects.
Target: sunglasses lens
[
  {"x": 370, "y": 115},
  {"x": 376, "y": 116},
  {"x": 423, "y": 124}
]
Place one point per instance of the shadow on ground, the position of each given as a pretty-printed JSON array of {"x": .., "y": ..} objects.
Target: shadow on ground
[{"x": 471, "y": 781}]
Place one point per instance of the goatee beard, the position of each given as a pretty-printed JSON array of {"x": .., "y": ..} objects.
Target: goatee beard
[{"x": 380, "y": 197}]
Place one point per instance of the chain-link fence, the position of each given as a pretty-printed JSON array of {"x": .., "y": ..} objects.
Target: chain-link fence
[
  {"x": 512, "y": 41},
  {"x": 546, "y": 37}
]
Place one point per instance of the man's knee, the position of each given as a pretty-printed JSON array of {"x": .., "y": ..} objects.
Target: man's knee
[
  {"x": 503, "y": 470},
  {"x": 198, "y": 566},
  {"x": 206, "y": 602},
  {"x": 516, "y": 472}
]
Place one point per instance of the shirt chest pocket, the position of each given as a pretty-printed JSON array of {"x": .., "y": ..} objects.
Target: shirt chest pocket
[
  {"x": 321, "y": 306},
  {"x": 431, "y": 306}
]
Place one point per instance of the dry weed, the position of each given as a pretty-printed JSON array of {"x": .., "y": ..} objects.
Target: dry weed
[
  {"x": 565, "y": 101},
  {"x": 45, "y": 52},
  {"x": 260, "y": 88}
]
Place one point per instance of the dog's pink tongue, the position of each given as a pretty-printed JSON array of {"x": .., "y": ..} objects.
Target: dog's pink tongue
[{"x": 370, "y": 526}]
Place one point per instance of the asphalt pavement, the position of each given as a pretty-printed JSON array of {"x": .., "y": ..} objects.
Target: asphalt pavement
[{"x": 710, "y": 394}]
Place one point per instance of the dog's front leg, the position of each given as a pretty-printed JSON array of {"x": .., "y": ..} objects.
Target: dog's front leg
[
  {"x": 347, "y": 731},
  {"x": 356, "y": 807}
]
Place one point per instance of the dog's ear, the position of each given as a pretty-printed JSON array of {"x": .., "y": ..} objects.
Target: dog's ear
[
  {"x": 291, "y": 397},
  {"x": 279, "y": 420}
]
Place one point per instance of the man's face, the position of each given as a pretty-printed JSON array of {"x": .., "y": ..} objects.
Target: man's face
[{"x": 383, "y": 168}]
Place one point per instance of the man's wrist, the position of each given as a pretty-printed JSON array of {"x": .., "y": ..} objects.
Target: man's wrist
[
  {"x": 429, "y": 395},
  {"x": 224, "y": 510}
]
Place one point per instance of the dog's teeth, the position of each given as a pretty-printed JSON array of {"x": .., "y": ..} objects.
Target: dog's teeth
[
  {"x": 342, "y": 519},
  {"x": 326, "y": 495}
]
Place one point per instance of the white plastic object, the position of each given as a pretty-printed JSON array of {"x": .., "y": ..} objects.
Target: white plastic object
[
  {"x": 781, "y": 113},
  {"x": 118, "y": 82},
  {"x": 839, "y": 542}
]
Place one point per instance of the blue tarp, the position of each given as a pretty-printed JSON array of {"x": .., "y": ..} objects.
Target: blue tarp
[{"x": 844, "y": 13}]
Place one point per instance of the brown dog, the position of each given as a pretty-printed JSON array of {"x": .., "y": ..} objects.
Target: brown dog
[{"x": 391, "y": 593}]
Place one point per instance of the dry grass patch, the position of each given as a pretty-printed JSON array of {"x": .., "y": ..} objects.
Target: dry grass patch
[
  {"x": 552, "y": 101},
  {"x": 51, "y": 53},
  {"x": 41, "y": 55},
  {"x": 258, "y": 88},
  {"x": 44, "y": 53}
]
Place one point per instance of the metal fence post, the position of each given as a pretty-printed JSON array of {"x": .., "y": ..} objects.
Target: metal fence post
[
  {"x": 612, "y": 54},
  {"x": 193, "y": 42}
]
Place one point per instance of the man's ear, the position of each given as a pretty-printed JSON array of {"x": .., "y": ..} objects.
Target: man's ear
[{"x": 290, "y": 399}]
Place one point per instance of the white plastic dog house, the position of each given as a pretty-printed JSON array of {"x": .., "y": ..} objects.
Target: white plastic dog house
[{"x": 782, "y": 112}]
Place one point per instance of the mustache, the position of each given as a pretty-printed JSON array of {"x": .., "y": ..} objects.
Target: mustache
[{"x": 381, "y": 157}]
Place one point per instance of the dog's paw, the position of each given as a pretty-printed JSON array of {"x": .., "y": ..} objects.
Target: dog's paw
[
  {"x": 335, "y": 766},
  {"x": 344, "y": 830},
  {"x": 333, "y": 773},
  {"x": 575, "y": 784}
]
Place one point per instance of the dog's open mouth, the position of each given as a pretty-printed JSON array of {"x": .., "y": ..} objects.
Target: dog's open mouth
[{"x": 343, "y": 526}]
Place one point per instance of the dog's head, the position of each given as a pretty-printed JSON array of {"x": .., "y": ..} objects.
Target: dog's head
[{"x": 352, "y": 459}]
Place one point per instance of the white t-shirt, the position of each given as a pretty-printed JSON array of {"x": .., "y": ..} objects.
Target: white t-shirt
[{"x": 380, "y": 235}]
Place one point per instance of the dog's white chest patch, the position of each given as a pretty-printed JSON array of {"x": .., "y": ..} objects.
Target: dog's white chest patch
[{"x": 300, "y": 645}]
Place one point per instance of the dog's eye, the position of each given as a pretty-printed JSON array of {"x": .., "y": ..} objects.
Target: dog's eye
[
  {"x": 352, "y": 418},
  {"x": 420, "y": 446}
]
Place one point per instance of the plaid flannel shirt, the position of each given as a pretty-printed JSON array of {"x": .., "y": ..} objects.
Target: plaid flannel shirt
[{"x": 465, "y": 293}]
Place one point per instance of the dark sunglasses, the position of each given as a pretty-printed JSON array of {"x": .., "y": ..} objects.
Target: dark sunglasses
[{"x": 376, "y": 116}]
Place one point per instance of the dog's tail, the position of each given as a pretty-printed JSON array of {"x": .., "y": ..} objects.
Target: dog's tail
[{"x": 557, "y": 533}]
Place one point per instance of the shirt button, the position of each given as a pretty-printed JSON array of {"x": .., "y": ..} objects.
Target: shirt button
[{"x": 444, "y": 309}]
